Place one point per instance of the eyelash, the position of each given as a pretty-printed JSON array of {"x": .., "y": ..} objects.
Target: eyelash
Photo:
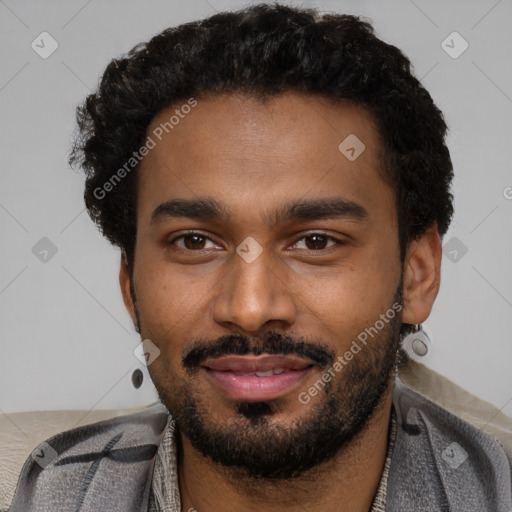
[{"x": 191, "y": 233}]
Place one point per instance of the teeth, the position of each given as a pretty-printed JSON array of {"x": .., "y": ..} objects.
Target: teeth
[
  {"x": 265, "y": 374},
  {"x": 268, "y": 373}
]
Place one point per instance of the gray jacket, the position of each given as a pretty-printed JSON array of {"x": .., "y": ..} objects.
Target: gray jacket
[{"x": 440, "y": 463}]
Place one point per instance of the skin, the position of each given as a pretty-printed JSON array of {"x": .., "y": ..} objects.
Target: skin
[{"x": 252, "y": 157}]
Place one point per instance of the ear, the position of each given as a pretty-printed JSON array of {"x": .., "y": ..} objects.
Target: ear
[
  {"x": 422, "y": 276},
  {"x": 126, "y": 289}
]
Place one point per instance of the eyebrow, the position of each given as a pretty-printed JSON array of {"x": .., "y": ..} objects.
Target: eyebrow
[{"x": 306, "y": 210}]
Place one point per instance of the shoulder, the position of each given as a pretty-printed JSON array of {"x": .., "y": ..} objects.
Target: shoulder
[
  {"x": 61, "y": 471},
  {"x": 461, "y": 403},
  {"x": 441, "y": 461}
]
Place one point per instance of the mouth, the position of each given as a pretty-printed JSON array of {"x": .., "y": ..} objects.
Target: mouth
[{"x": 255, "y": 378}]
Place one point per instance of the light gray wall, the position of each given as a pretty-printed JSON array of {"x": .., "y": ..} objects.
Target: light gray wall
[{"x": 66, "y": 340}]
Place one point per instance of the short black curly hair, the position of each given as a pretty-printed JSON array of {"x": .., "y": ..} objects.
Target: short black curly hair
[{"x": 265, "y": 50}]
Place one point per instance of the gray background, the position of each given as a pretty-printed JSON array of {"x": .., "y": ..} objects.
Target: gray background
[{"x": 67, "y": 340}]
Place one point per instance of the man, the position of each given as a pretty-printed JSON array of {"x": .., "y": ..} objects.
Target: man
[{"x": 278, "y": 183}]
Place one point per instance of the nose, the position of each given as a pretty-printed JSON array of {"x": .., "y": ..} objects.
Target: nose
[{"x": 254, "y": 296}]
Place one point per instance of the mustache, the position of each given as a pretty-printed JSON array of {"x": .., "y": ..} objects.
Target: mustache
[{"x": 271, "y": 343}]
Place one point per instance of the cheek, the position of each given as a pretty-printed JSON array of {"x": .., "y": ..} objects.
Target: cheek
[
  {"x": 162, "y": 301},
  {"x": 357, "y": 299},
  {"x": 163, "y": 311},
  {"x": 167, "y": 292}
]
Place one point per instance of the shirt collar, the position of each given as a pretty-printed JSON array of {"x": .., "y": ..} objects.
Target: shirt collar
[{"x": 165, "y": 491}]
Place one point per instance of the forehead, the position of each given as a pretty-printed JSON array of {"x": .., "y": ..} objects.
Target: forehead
[{"x": 245, "y": 151}]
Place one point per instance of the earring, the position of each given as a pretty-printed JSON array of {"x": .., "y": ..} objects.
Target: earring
[{"x": 416, "y": 344}]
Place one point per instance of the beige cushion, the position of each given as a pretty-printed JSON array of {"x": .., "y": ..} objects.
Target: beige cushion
[{"x": 21, "y": 433}]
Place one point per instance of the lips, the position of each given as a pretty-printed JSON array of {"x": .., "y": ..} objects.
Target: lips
[{"x": 256, "y": 378}]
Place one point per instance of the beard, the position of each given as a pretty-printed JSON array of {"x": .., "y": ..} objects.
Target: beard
[{"x": 252, "y": 443}]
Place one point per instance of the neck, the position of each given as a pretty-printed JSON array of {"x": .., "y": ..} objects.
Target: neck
[{"x": 347, "y": 482}]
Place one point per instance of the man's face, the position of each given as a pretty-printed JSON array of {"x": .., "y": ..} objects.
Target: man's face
[{"x": 260, "y": 288}]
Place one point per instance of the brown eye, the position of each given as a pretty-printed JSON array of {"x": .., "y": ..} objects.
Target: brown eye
[
  {"x": 191, "y": 241},
  {"x": 318, "y": 242},
  {"x": 194, "y": 241}
]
